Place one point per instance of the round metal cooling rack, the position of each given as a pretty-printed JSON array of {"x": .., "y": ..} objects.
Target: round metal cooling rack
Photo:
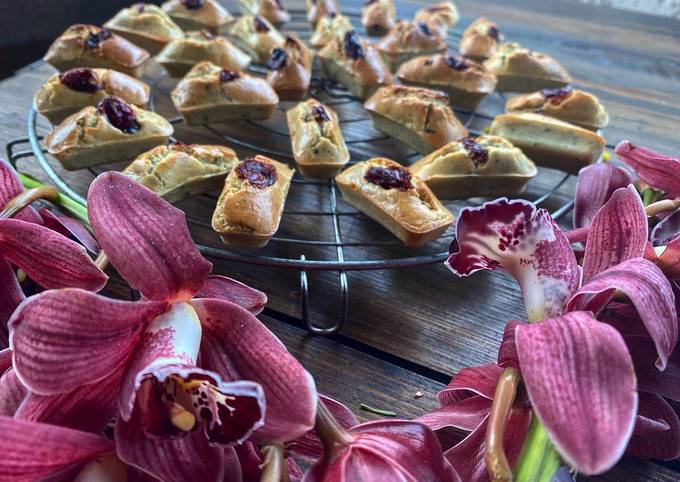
[{"x": 333, "y": 95}]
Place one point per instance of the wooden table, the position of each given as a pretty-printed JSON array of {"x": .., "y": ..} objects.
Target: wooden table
[{"x": 410, "y": 330}]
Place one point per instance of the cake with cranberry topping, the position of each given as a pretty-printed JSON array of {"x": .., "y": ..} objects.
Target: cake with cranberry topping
[
  {"x": 65, "y": 94},
  {"x": 417, "y": 117},
  {"x": 112, "y": 131},
  {"x": 256, "y": 36},
  {"x": 328, "y": 28},
  {"x": 209, "y": 93},
  {"x": 198, "y": 14},
  {"x": 318, "y": 9},
  {"x": 318, "y": 146},
  {"x": 249, "y": 210},
  {"x": 480, "y": 40},
  {"x": 179, "y": 56},
  {"x": 146, "y": 25},
  {"x": 355, "y": 64},
  {"x": 439, "y": 17},
  {"x": 484, "y": 166},
  {"x": 378, "y": 16},
  {"x": 272, "y": 10},
  {"x": 390, "y": 194},
  {"x": 91, "y": 46},
  {"x": 290, "y": 69},
  {"x": 464, "y": 81},
  {"x": 567, "y": 104},
  {"x": 407, "y": 40}
]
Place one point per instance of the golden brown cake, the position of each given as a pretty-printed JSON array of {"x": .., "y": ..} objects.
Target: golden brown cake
[
  {"x": 290, "y": 69},
  {"x": 328, "y": 28},
  {"x": 378, "y": 16},
  {"x": 318, "y": 9},
  {"x": 272, "y": 10},
  {"x": 179, "y": 56},
  {"x": 209, "y": 93},
  {"x": 145, "y": 25},
  {"x": 407, "y": 40},
  {"x": 388, "y": 193},
  {"x": 480, "y": 40},
  {"x": 178, "y": 171},
  {"x": 567, "y": 104},
  {"x": 65, "y": 94},
  {"x": 550, "y": 142},
  {"x": 420, "y": 118},
  {"x": 464, "y": 81},
  {"x": 198, "y": 14},
  {"x": 484, "y": 166},
  {"x": 249, "y": 209},
  {"x": 256, "y": 36},
  {"x": 318, "y": 146},
  {"x": 111, "y": 132},
  {"x": 522, "y": 70},
  {"x": 355, "y": 64},
  {"x": 440, "y": 17},
  {"x": 91, "y": 46}
]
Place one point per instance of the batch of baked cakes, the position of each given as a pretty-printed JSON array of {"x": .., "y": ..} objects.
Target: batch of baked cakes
[{"x": 405, "y": 76}]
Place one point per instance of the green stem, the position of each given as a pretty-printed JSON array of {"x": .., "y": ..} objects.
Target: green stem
[
  {"x": 378, "y": 411},
  {"x": 76, "y": 209},
  {"x": 538, "y": 461}
]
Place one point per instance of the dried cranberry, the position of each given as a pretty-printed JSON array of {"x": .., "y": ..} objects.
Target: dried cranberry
[
  {"x": 476, "y": 152},
  {"x": 493, "y": 33},
  {"x": 260, "y": 25},
  {"x": 95, "y": 38},
  {"x": 556, "y": 96},
  {"x": 119, "y": 114},
  {"x": 81, "y": 80},
  {"x": 392, "y": 177},
  {"x": 456, "y": 63},
  {"x": 428, "y": 62},
  {"x": 425, "y": 29},
  {"x": 353, "y": 48},
  {"x": 369, "y": 2},
  {"x": 259, "y": 174},
  {"x": 193, "y": 4},
  {"x": 228, "y": 75},
  {"x": 278, "y": 59},
  {"x": 320, "y": 114}
]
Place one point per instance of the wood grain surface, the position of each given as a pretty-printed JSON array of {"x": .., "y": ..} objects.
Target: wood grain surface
[{"x": 410, "y": 329}]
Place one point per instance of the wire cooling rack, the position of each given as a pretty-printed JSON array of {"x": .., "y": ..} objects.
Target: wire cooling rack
[{"x": 374, "y": 254}]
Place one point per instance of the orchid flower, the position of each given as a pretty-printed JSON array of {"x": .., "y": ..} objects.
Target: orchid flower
[
  {"x": 185, "y": 358},
  {"x": 47, "y": 257}
]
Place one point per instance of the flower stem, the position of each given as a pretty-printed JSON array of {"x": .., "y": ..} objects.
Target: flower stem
[
  {"x": 26, "y": 198},
  {"x": 662, "y": 206},
  {"x": 102, "y": 260},
  {"x": 331, "y": 433},
  {"x": 496, "y": 462},
  {"x": 274, "y": 468},
  {"x": 76, "y": 209},
  {"x": 538, "y": 461}
]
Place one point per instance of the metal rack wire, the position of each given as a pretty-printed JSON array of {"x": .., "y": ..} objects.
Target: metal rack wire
[{"x": 332, "y": 95}]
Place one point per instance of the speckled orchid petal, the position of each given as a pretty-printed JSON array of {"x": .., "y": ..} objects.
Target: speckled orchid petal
[
  {"x": 32, "y": 451},
  {"x": 666, "y": 230},
  {"x": 12, "y": 393},
  {"x": 63, "y": 339},
  {"x": 69, "y": 227},
  {"x": 47, "y": 257},
  {"x": 669, "y": 260},
  {"x": 618, "y": 232},
  {"x": 527, "y": 243},
  {"x": 581, "y": 384},
  {"x": 657, "y": 430},
  {"x": 228, "y": 289},
  {"x": 11, "y": 295},
  {"x": 507, "y": 352},
  {"x": 656, "y": 169},
  {"x": 386, "y": 450},
  {"x": 650, "y": 292},
  {"x": 146, "y": 239},
  {"x": 238, "y": 346},
  {"x": 594, "y": 187},
  {"x": 179, "y": 460}
]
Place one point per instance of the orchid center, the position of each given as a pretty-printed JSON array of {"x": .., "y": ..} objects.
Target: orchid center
[{"x": 176, "y": 334}]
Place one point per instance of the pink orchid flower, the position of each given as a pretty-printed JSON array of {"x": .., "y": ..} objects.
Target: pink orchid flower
[
  {"x": 45, "y": 255},
  {"x": 188, "y": 357}
]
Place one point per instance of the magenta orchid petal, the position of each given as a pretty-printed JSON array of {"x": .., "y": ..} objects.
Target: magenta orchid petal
[
  {"x": 658, "y": 170},
  {"x": 146, "y": 238},
  {"x": 595, "y": 185},
  {"x": 387, "y": 450},
  {"x": 650, "y": 379},
  {"x": 47, "y": 257},
  {"x": 507, "y": 352},
  {"x": 527, "y": 243},
  {"x": 238, "y": 346},
  {"x": 11, "y": 295},
  {"x": 232, "y": 466},
  {"x": 228, "y": 289},
  {"x": 657, "y": 430},
  {"x": 63, "y": 339},
  {"x": 5, "y": 359},
  {"x": 10, "y": 184},
  {"x": 464, "y": 414},
  {"x": 577, "y": 235},
  {"x": 666, "y": 230},
  {"x": 32, "y": 451},
  {"x": 187, "y": 458},
  {"x": 649, "y": 291},
  {"x": 618, "y": 232},
  {"x": 669, "y": 260},
  {"x": 250, "y": 460},
  {"x": 69, "y": 227},
  {"x": 12, "y": 393},
  {"x": 581, "y": 384},
  {"x": 469, "y": 382}
]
